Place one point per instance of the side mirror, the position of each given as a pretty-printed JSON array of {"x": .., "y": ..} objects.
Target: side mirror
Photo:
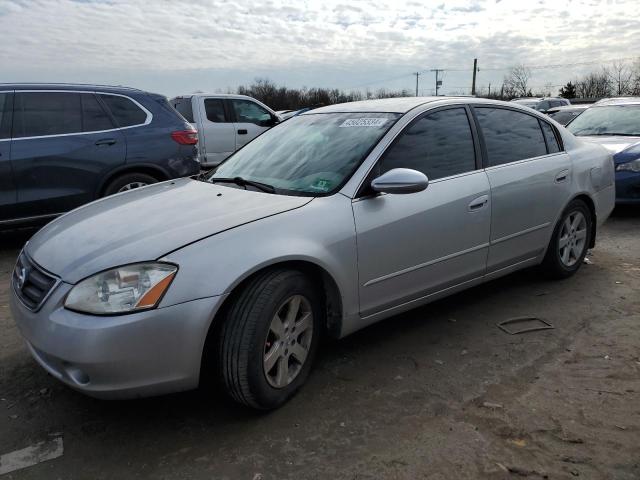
[{"x": 399, "y": 181}]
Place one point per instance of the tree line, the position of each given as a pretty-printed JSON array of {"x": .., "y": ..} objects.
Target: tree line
[{"x": 621, "y": 78}]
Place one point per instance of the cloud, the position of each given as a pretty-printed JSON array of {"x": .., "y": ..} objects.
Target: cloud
[{"x": 314, "y": 41}]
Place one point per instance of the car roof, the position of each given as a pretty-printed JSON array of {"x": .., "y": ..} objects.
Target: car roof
[
  {"x": 214, "y": 95},
  {"x": 618, "y": 101},
  {"x": 404, "y": 104},
  {"x": 69, "y": 86}
]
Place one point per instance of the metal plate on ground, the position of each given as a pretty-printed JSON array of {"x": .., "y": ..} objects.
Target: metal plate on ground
[{"x": 517, "y": 325}]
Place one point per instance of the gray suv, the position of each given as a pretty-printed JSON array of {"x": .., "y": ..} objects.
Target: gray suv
[{"x": 62, "y": 146}]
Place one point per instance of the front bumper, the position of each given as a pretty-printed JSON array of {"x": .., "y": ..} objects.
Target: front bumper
[
  {"x": 126, "y": 356},
  {"x": 627, "y": 187}
]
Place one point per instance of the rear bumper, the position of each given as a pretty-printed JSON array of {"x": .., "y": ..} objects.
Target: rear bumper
[
  {"x": 147, "y": 353},
  {"x": 627, "y": 188}
]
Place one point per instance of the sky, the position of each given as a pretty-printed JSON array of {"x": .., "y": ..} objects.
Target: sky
[{"x": 175, "y": 47}]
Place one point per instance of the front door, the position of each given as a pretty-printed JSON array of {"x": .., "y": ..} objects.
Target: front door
[
  {"x": 217, "y": 134},
  {"x": 414, "y": 245},
  {"x": 63, "y": 145}
]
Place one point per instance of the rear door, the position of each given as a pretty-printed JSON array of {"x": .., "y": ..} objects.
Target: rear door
[
  {"x": 7, "y": 187},
  {"x": 217, "y": 135},
  {"x": 63, "y": 144},
  {"x": 250, "y": 120},
  {"x": 530, "y": 179}
]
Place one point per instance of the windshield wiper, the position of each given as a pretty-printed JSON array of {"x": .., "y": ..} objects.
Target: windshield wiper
[{"x": 265, "y": 187}]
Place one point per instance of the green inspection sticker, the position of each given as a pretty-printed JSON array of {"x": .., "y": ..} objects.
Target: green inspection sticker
[{"x": 322, "y": 185}]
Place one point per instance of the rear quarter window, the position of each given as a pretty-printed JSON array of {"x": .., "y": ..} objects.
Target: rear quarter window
[{"x": 125, "y": 112}]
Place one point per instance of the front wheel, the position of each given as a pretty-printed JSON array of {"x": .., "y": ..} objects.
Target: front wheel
[
  {"x": 269, "y": 338},
  {"x": 569, "y": 242}
]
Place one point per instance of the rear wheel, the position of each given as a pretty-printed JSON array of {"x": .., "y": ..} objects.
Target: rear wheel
[
  {"x": 269, "y": 338},
  {"x": 569, "y": 242},
  {"x": 129, "y": 181}
]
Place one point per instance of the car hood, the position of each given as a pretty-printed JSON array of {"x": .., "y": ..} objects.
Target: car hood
[
  {"x": 146, "y": 224},
  {"x": 614, "y": 144}
]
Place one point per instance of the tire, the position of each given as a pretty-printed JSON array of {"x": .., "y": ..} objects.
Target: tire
[
  {"x": 129, "y": 179},
  {"x": 569, "y": 242},
  {"x": 247, "y": 337}
]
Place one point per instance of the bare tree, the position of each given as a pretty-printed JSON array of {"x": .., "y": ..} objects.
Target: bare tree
[
  {"x": 595, "y": 85},
  {"x": 516, "y": 82},
  {"x": 621, "y": 76}
]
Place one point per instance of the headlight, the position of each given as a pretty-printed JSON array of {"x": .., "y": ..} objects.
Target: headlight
[
  {"x": 124, "y": 289},
  {"x": 633, "y": 166}
]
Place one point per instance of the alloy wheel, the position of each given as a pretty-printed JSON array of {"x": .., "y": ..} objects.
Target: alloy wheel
[
  {"x": 131, "y": 186},
  {"x": 573, "y": 238},
  {"x": 288, "y": 341}
]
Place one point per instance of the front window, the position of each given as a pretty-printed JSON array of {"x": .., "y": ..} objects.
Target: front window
[
  {"x": 610, "y": 120},
  {"x": 311, "y": 154}
]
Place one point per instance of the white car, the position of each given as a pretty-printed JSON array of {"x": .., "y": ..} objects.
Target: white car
[{"x": 224, "y": 122}]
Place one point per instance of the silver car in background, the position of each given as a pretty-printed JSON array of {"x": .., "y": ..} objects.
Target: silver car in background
[{"x": 328, "y": 222}]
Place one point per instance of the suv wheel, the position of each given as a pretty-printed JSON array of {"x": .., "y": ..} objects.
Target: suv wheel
[
  {"x": 269, "y": 338},
  {"x": 129, "y": 181}
]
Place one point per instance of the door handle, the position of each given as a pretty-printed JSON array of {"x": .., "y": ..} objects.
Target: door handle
[
  {"x": 242, "y": 131},
  {"x": 562, "y": 176},
  {"x": 106, "y": 141},
  {"x": 478, "y": 203}
]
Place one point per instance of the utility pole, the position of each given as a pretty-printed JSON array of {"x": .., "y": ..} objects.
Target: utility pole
[
  {"x": 489, "y": 90},
  {"x": 475, "y": 69},
  {"x": 438, "y": 82},
  {"x": 417, "y": 74}
]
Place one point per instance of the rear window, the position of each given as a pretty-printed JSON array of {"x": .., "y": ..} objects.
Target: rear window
[
  {"x": 124, "y": 110},
  {"x": 94, "y": 118},
  {"x": 46, "y": 113},
  {"x": 183, "y": 107},
  {"x": 214, "y": 108},
  {"x": 5, "y": 114},
  {"x": 510, "y": 136}
]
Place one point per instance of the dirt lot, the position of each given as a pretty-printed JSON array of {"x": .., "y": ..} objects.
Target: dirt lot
[{"x": 438, "y": 393}]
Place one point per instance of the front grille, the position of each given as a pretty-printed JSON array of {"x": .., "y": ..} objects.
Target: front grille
[{"x": 31, "y": 284}]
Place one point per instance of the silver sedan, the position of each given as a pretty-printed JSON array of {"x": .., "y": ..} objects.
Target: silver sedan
[{"x": 328, "y": 222}]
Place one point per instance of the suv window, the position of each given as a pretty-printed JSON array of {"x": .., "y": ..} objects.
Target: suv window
[
  {"x": 214, "y": 108},
  {"x": 94, "y": 118},
  {"x": 5, "y": 114},
  {"x": 510, "y": 136},
  {"x": 46, "y": 113},
  {"x": 550, "y": 137},
  {"x": 250, "y": 112},
  {"x": 439, "y": 144},
  {"x": 125, "y": 111},
  {"x": 183, "y": 107}
]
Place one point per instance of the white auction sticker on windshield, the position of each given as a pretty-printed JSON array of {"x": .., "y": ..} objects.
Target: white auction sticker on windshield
[{"x": 364, "y": 122}]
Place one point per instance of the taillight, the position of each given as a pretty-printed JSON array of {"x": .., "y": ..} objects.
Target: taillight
[{"x": 185, "y": 137}]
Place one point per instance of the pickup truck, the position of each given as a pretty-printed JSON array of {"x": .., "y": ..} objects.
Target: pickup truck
[{"x": 224, "y": 122}]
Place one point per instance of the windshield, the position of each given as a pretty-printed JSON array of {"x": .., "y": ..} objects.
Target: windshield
[
  {"x": 311, "y": 154},
  {"x": 609, "y": 120}
]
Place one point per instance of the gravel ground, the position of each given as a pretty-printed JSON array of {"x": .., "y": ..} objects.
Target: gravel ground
[{"x": 437, "y": 393}]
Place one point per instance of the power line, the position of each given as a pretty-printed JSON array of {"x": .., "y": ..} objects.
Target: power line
[{"x": 485, "y": 69}]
